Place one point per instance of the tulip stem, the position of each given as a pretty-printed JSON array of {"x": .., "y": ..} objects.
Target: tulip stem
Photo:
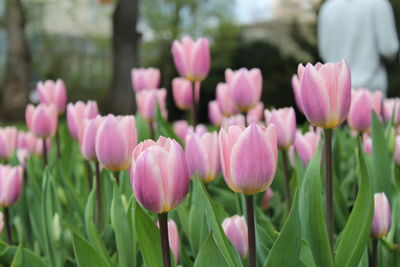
[
  {"x": 373, "y": 260},
  {"x": 116, "y": 176},
  {"x": 8, "y": 225},
  {"x": 44, "y": 152},
  {"x": 328, "y": 185},
  {"x": 287, "y": 178},
  {"x": 251, "y": 230},
  {"x": 152, "y": 130},
  {"x": 196, "y": 87},
  {"x": 166, "y": 253},
  {"x": 89, "y": 174},
  {"x": 245, "y": 119},
  {"x": 98, "y": 196},
  {"x": 58, "y": 141}
]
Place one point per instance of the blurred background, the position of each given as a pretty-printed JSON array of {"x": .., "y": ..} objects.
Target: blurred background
[{"x": 93, "y": 44}]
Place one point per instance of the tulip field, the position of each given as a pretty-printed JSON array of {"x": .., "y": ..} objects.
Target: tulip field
[{"x": 252, "y": 188}]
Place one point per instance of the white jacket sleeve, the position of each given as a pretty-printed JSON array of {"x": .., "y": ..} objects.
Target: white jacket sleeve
[{"x": 385, "y": 28}]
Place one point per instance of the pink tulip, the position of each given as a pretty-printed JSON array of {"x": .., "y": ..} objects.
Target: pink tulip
[
  {"x": 225, "y": 100},
  {"x": 248, "y": 157},
  {"x": 87, "y": 138},
  {"x": 266, "y": 198},
  {"x": 284, "y": 120},
  {"x": 8, "y": 141},
  {"x": 174, "y": 240},
  {"x": 235, "y": 229},
  {"x": 245, "y": 86},
  {"x": 255, "y": 114},
  {"x": 145, "y": 78},
  {"x": 115, "y": 140},
  {"x": 181, "y": 127},
  {"x": 22, "y": 155},
  {"x": 182, "y": 91},
  {"x": 200, "y": 130},
  {"x": 27, "y": 141},
  {"x": 148, "y": 99},
  {"x": 10, "y": 184},
  {"x": 325, "y": 93},
  {"x": 77, "y": 113},
  {"x": 382, "y": 218},
  {"x": 233, "y": 120},
  {"x": 391, "y": 105},
  {"x": 42, "y": 120},
  {"x": 192, "y": 58},
  {"x": 159, "y": 174},
  {"x": 367, "y": 143},
  {"x": 306, "y": 145},
  {"x": 296, "y": 92},
  {"x": 55, "y": 93},
  {"x": 214, "y": 113},
  {"x": 202, "y": 156},
  {"x": 363, "y": 102}
]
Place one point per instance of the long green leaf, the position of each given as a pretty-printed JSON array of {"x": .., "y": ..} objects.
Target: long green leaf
[
  {"x": 210, "y": 254},
  {"x": 86, "y": 255}
]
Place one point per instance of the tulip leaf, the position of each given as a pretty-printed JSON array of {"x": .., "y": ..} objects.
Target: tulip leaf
[
  {"x": 312, "y": 216},
  {"x": 228, "y": 251},
  {"x": 8, "y": 255},
  {"x": 18, "y": 259},
  {"x": 86, "y": 255},
  {"x": 288, "y": 241},
  {"x": 355, "y": 235},
  {"x": 163, "y": 128},
  {"x": 143, "y": 130},
  {"x": 123, "y": 233},
  {"x": 381, "y": 161},
  {"x": 210, "y": 254}
]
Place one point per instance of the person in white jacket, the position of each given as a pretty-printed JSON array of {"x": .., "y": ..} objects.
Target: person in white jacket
[{"x": 362, "y": 32}]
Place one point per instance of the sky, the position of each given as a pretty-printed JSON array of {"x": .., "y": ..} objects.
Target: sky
[{"x": 248, "y": 11}]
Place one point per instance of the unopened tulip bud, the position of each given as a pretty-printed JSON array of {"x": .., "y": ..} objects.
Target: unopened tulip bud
[
  {"x": 174, "y": 240},
  {"x": 182, "y": 91},
  {"x": 10, "y": 184},
  {"x": 225, "y": 100},
  {"x": 147, "y": 100},
  {"x": 382, "y": 217},
  {"x": 255, "y": 114},
  {"x": 306, "y": 145},
  {"x": 181, "y": 128},
  {"x": 235, "y": 229},
  {"x": 87, "y": 138},
  {"x": 214, "y": 113},
  {"x": 296, "y": 92},
  {"x": 233, "y": 120},
  {"x": 284, "y": 120},
  {"x": 266, "y": 198},
  {"x": 42, "y": 120},
  {"x": 159, "y": 174},
  {"x": 53, "y": 93},
  {"x": 143, "y": 78},
  {"x": 8, "y": 141},
  {"x": 77, "y": 113},
  {"x": 391, "y": 107}
]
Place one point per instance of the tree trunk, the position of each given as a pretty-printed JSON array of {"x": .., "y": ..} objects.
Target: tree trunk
[
  {"x": 16, "y": 80},
  {"x": 125, "y": 46}
]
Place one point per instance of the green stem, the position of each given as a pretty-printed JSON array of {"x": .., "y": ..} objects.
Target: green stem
[
  {"x": 373, "y": 260},
  {"x": 8, "y": 225},
  {"x": 251, "y": 230},
  {"x": 98, "y": 196},
  {"x": 287, "y": 178},
  {"x": 58, "y": 141},
  {"x": 194, "y": 103},
  {"x": 89, "y": 174},
  {"x": 329, "y": 187},
  {"x": 166, "y": 253},
  {"x": 44, "y": 152},
  {"x": 152, "y": 130}
]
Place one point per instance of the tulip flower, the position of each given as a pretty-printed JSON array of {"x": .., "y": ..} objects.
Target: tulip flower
[
  {"x": 77, "y": 113},
  {"x": 145, "y": 78},
  {"x": 182, "y": 91},
  {"x": 202, "y": 156},
  {"x": 266, "y": 198},
  {"x": 87, "y": 137},
  {"x": 233, "y": 120},
  {"x": 41, "y": 120},
  {"x": 363, "y": 102},
  {"x": 245, "y": 86},
  {"x": 148, "y": 99},
  {"x": 255, "y": 114},
  {"x": 367, "y": 143},
  {"x": 296, "y": 92},
  {"x": 326, "y": 93},
  {"x": 55, "y": 93},
  {"x": 225, "y": 100},
  {"x": 181, "y": 128},
  {"x": 173, "y": 237},
  {"x": 284, "y": 120},
  {"x": 382, "y": 217},
  {"x": 191, "y": 58},
  {"x": 306, "y": 145},
  {"x": 115, "y": 140},
  {"x": 11, "y": 184},
  {"x": 214, "y": 113},
  {"x": 8, "y": 141},
  {"x": 235, "y": 229},
  {"x": 390, "y": 106},
  {"x": 22, "y": 155}
]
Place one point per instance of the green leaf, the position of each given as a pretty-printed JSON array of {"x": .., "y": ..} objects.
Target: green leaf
[
  {"x": 142, "y": 127},
  {"x": 18, "y": 259},
  {"x": 312, "y": 214},
  {"x": 196, "y": 216},
  {"x": 355, "y": 235},
  {"x": 86, "y": 255},
  {"x": 9, "y": 255},
  {"x": 210, "y": 254},
  {"x": 288, "y": 241},
  {"x": 163, "y": 128},
  {"x": 123, "y": 233},
  {"x": 148, "y": 237}
]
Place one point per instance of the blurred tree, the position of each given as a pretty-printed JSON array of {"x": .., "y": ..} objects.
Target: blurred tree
[
  {"x": 393, "y": 66},
  {"x": 16, "y": 76}
]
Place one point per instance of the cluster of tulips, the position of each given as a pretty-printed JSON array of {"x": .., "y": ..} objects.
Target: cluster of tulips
[{"x": 246, "y": 148}]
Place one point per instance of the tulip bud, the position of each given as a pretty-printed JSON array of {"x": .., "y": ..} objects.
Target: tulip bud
[
  {"x": 245, "y": 86},
  {"x": 56, "y": 233},
  {"x": 145, "y": 78},
  {"x": 255, "y": 114},
  {"x": 248, "y": 157},
  {"x": 235, "y": 229},
  {"x": 192, "y": 58},
  {"x": 115, "y": 140},
  {"x": 214, "y": 113},
  {"x": 284, "y": 120},
  {"x": 225, "y": 100},
  {"x": 41, "y": 120},
  {"x": 296, "y": 92},
  {"x": 182, "y": 91},
  {"x": 326, "y": 93},
  {"x": 174, "y": 240},
  {"x": 363, "y": 102},
  {"x": 306, "y": 145},
  {"x": 22, "y": 155},
  {"x": 8, "y": 141},
  {"x": 382, "y": 217},
  {"x": 181, "y": 128},
  {"x": 10, "y": 184},
  {"x": 148, "y": 99},
  {"x": 202, "y": 156},
  {"x": 87, "y": 138},
  {"x": 390, "y": 106},
  {"x": 77, "y": 113},
  {"x": 159, "y": 174},
  {"x": 233, "y": 120},
  {"x": 266, "y": 197},
  {"x": 53, "y": 93}
]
